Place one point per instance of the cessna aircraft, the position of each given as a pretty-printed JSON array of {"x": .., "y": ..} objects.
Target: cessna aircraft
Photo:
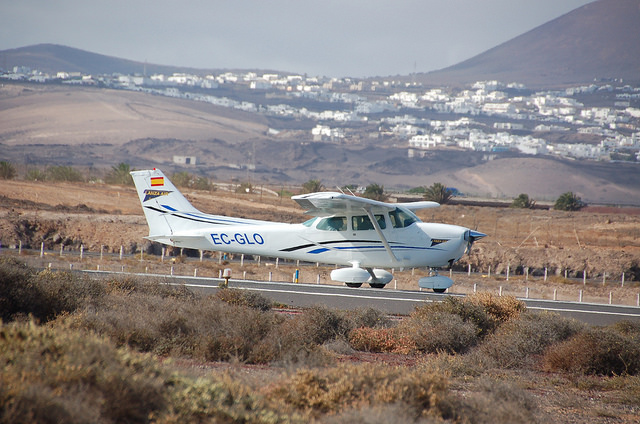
[{"x": 361, "y": 234}]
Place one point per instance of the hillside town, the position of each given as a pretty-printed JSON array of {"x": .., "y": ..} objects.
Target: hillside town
[{"x": 599, "y": 121}]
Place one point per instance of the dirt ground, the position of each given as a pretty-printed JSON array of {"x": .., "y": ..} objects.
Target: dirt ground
[{"x": 522, "y": 245}]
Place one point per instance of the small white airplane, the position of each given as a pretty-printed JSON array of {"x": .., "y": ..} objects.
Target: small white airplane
[{"x": 364, "y": 235}]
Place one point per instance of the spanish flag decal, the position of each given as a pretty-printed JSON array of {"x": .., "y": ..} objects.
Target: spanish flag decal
[{"x": 157, "y": 181}]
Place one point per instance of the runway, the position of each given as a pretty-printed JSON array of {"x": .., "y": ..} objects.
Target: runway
[{"x": 394, "y": 302}]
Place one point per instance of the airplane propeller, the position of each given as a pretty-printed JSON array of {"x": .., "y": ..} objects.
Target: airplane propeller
[{"x": 471, "y": 236}]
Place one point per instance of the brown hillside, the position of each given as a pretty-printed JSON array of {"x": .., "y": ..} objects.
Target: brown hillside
[
  {"x": 49, "y": 115},
  {"x": 598, "y": 40}
]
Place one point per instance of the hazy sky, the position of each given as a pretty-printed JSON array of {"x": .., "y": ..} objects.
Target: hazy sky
[{"x": 325, "y": 38}]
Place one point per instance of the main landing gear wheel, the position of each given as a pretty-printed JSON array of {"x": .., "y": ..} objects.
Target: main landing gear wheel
[
  {"x": 377, "y": 285},
  {"x": 354, "y": 285},
  {"x": 439, "y": 290}
]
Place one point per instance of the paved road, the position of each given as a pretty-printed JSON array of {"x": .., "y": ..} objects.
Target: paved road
[{"x": 398, "y": 302}]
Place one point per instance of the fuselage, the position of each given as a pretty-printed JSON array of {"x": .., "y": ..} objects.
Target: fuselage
[{"x": 341, "y": 239}]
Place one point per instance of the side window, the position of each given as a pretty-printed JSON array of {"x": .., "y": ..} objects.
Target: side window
[
  {"x": 401, "y": 219},
  {"x": 362, "y": 222},
  {"x": 334, "y": 223}
]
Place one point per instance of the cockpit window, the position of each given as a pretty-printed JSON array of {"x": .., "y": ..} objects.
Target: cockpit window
[
  {"x": 401, "y": 218},
  {"x": 334, "y": 223},
  {"x": 362, "y": 222},
  {"x": 309, "y": 222}
]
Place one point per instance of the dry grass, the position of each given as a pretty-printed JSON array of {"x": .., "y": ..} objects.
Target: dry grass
[{"x": 125, "y": 343}]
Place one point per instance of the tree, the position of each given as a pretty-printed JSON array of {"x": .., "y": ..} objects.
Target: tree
[
  {"x": 569, "y": 202},
  {"x": 119, "y": 174},
  {"x": 375, "y": 192},
  {"x": 64, "y": 173},
  {"x": 181, "y": 179},
  {"x": 244, "y": 188},
  {"x": 437, "y": 192},
  {"x": 202, "y": 183},
  {"x": 418, "y": 190},
  {"x": 312, "y": 186},
  {"x": 7, "y": 171},
  {"x": 523, "y": 202},
  {"x": 35, "y": 175}
]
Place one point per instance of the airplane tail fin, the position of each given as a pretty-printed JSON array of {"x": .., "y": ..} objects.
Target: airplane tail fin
[{"x": 163, "y": 205}]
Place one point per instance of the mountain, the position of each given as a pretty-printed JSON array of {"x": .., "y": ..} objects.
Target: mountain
[
  {"x": 52, "y": 58},
  {"x": 600, "y": 40}
]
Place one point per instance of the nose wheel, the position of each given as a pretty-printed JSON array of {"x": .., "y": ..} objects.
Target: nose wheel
[{"x": 435, "y": 282}]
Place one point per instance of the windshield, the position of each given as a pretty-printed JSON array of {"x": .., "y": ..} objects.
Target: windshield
[
  {"x": 309, "y": 222},
  {"x": 402, "y": 218}
]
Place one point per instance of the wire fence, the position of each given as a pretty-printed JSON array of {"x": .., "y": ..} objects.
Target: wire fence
[{"x": 549, "y": 286}]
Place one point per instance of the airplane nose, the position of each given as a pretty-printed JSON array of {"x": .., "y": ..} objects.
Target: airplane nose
[{"x": 473, "y": 236}]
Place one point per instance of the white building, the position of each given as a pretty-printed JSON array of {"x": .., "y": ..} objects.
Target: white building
[{"x": 426, "y": 141}]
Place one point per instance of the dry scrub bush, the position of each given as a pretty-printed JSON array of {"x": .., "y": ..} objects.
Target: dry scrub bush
[
  {"x": 368, "y": 317},
  {"x": 297, "y": 339},
  {"x": 154, "y": 287},
  {"x": 43, "y": 295},
  {"x": 223, "y": 400},
  {"x": 452, "y": 326},
  {"x": 381, "y": 340},
  {"x": 244, "y": 298},
  {"x": 499, "y": 401},
  {"x": 331, "y": 390},
  {"x": 500, "y": 308},
  {"x": 439, "y": 332},
  {"x": 60, "y": 375},
  {"x": 519, "y": 342},
  {"x": 204, "y": 328},
  {"x": 598, "y": 351}
]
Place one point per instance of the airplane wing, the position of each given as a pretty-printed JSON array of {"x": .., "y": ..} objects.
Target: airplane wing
[
  {"x": 414, "y": 206},
  {"x": 329, "y": 203}
]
